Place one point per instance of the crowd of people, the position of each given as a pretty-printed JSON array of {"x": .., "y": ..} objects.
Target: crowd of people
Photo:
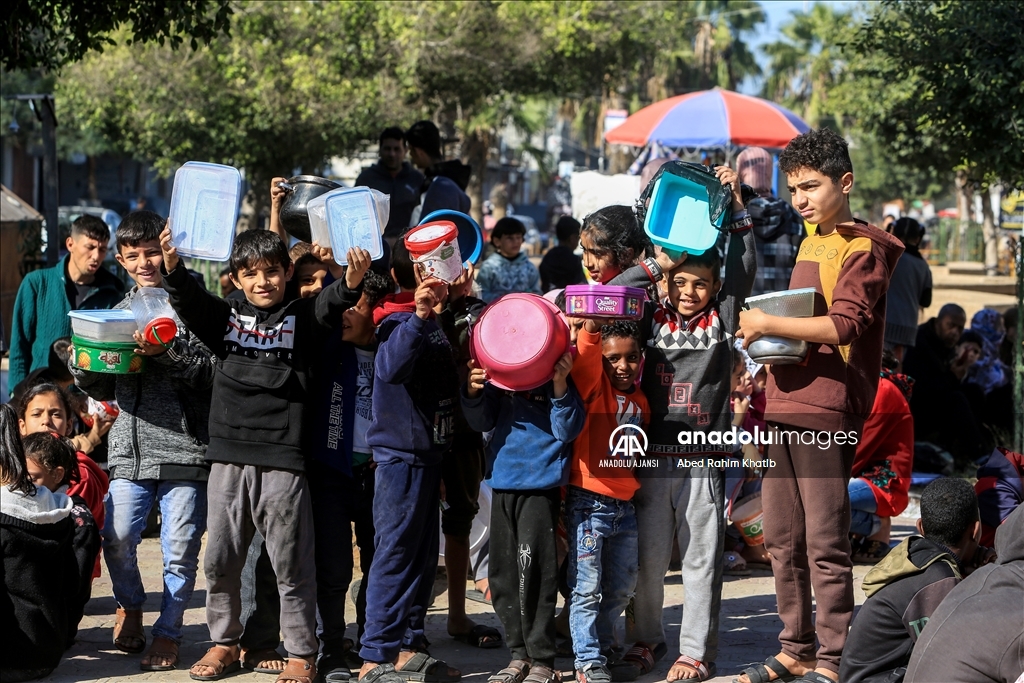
[{"x": 308, "y": 407}]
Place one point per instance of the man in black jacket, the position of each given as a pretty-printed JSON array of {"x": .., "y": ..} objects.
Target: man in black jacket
[
  {"x": 446, "y": 183},
  {"x": 395, "y": 177}
]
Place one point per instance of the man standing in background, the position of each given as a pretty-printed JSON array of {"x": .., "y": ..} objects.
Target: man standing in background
[{"x": 394, "y": 176}]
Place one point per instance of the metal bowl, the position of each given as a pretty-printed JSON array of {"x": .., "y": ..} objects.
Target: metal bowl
[
  {"x": 301, "y": 189},
  {"x": 777, "y": 350}
]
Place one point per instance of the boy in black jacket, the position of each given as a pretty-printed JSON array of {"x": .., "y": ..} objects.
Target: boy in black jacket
[{"x": 266, "y": 347}]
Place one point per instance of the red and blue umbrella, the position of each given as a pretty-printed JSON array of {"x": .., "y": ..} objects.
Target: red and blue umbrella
[{"x": 707, "y": 119}]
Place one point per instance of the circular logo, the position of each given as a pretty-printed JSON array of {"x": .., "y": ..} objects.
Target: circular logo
[
  {"x": 832, "y": 254},
  {"x": 626, "y": 440},
  {"x": 820, "y": 250},
  {"x": 588, "y": 543}
]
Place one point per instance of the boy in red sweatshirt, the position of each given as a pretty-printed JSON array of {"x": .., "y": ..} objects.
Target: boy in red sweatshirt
[{"x": 817, "y": 409}]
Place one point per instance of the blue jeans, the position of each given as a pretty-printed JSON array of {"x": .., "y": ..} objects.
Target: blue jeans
[
  {"x": 863, "y": 520},
  {"x": 183, "y": 513},
  {"x": 602, "y": 570}
]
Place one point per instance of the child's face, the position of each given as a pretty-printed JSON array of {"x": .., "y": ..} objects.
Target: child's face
[
  {"x": 263, "y": 283},
  {"x": 357, "y": 323},
  {"x": 968, "y": 353},
  {"x": 43, "y": 477},
  {"x": 817, "y": 197},
  {"x": 227, "y": 285},
  {"x": 508, "y": 245},
  {"x": 621, "y": 361},
  {"x": 691, "y": 288},
  {"x": 575, "y": 325},
  {"x": 142, "y": 262},
  {"x": 736, "y": 379},
  {"x": 744, "y": 383},
  {"x": 45, "y": 413},
  {"x": 599, "y": 262},
  {"x": 311, "y": 279}
]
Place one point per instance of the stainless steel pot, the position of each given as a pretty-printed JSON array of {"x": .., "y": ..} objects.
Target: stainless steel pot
[
  {"x": 777, "y": 350},
  {"x": 301, "y": 189}
]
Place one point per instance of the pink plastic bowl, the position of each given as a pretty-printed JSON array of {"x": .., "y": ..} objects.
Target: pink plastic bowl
[
  {"x": 518, "y": 340},
  {"x": 604, "y": 301}
]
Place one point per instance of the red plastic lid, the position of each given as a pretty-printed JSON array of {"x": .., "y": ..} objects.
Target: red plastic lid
[
  {"x": 161, "y": 331},
  {"x": 425, "y": 238}
]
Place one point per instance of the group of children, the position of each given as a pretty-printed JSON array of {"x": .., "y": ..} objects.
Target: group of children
[{"x": 316, "y": 394}]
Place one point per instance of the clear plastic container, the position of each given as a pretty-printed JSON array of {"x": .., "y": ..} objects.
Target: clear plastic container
[
  {"x": 104, "y": 326},
  {"x": 793, "y": 303},
  {"x": 204, "y": 209},
  {"x": 349, "y": 217}
]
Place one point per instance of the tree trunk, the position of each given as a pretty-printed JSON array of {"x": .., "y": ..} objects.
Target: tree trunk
[
  {"x": 988, "y": 230},
  {"x": 94, "y": 194},
  {"x": 475, "y": 151},
  {"x": 963, "y": 207}
]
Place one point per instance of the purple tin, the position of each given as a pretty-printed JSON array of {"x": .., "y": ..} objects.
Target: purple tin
[{"x": 604, "y": 301}]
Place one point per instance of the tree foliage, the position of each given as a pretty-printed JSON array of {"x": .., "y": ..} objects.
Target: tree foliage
[{"x": 49, "y": 34}]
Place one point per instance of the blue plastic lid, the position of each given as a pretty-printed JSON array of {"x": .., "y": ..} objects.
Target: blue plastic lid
[
  {"x": 679, "y": 218},
  {"x": 204, "y": 209},
  {"x": 471, "y": 237}
]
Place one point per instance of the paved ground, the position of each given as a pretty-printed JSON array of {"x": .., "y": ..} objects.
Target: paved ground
[{"x": 748, "y": 630}]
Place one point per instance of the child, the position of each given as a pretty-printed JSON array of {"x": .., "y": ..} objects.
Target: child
[
  {"x": 806, "y": 527},
  {"x": 51, "y": 463},
  {"x": 156, "y": 456},
  {"x": 561, "y": 266},
  {"x": 906, "y": 587},
  {"x": 415, "y": 387},
  {"x": 687, "y": 380},
  {"x": 508, "y": 269},
  {"x": 266, "y": 347},
  {"x": 36, "y": 530},
  {"x": 528, "y": 460},
  {"x": 612, "y": 241},
  {"x": 600, "y": 519}
]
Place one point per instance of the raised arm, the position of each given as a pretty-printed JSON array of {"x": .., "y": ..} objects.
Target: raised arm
[{"x": 203, "y": 313}]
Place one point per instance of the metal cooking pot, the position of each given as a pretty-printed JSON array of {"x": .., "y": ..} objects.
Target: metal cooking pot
[
  {"x": 777, "y": 350},
  {"x": 301, "y": 189}
]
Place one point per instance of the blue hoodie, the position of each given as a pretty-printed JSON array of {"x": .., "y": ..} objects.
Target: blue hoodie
[{"x": 533, "y": 434}]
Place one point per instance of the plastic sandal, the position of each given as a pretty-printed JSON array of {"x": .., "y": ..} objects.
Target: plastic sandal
[
  {"x": 127, "y": 626},
  {"x": 759, "y": 673}
]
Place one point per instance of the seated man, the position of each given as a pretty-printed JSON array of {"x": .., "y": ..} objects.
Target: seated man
[{"x": 909, "y": 583}]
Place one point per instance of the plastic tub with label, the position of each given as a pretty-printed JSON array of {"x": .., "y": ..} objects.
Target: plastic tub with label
[
  {"x": 104, "y": 325},
  {"x": 349, "y": 217}
]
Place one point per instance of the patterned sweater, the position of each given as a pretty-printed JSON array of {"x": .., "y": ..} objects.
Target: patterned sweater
[{"x": 499, "y": 276}]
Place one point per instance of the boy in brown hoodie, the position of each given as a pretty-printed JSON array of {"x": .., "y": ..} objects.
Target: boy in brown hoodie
[{"x": 816, "y": 409}]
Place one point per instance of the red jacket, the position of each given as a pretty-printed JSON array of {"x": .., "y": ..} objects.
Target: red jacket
[{"x": 885, "y": 454}]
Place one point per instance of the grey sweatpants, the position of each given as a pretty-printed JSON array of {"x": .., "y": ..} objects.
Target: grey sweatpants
[
  {"x": 243, "y": 499},
  {"x": 687, "y": 505}
]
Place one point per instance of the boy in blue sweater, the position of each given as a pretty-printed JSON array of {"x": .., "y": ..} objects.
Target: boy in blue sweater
[
  {"x": 415, "y": 387},
  {"x": 528, "y": 462}
]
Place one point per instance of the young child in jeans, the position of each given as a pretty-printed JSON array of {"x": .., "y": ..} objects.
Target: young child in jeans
[
  {"x": 528, "y": 460},
  {"x": 259, "y": 434},
  {"x": 806, "y": 526},
  {"x": 156, "y": 456},
  {"x": 600, "y": 519}
]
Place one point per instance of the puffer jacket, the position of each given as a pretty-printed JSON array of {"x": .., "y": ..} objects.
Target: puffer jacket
[{"x": 162, "y": 430}]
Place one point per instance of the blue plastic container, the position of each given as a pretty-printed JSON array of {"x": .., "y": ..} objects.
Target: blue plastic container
[
  {"x": 679, "y": 217},
  {"x": 471, "y": 237},
  {"x": 204, "y": 210}
]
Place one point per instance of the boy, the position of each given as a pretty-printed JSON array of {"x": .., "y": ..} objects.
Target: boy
[
  {"x": 600, "y": 519},
  {"x": 156, "y": 456},
  {"x": 415, "y": 386},
  {"x": 266, "y": 346},
  {"x": 904, "y": 589},
  {"x": 528, "y": 460},
  {"x": 508, "y": 269},
  {"x": 687, "y": 379},
  {"x": 806, "y": 525},
  {"x": 561, "y": 266}
]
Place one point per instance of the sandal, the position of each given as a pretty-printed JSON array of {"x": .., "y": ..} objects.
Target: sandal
[
  {"x": 870, "y": 552},
  {"x": 253, "y": 660},
  {"x": 382, "y": 673},
  {"x": 515, "y": 672},
  {"x": 479, "y": 596},
  {"x": 128, "y": 627},
  {"x": 542, "y": 674},
  {"x": 759, "y": 673},
  {"x": 594, "y": 674},
  {"x": 734, "y": 564},
  {"x": 422, "y": 668},
  {"x": 481, "y": 636},
  {"x": 216, "y": 658},
  {"x": 637, "y": 661},
  {"x": 161, "y": 648},
  {"x": 297, "y": 671},
  {"x": 703, "y": 671}
]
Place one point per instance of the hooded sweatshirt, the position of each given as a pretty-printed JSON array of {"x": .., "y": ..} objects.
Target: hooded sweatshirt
[
  {"x": 834, "y": 388},
  {"x": 903, "y": 590},
  {"x": 42, "y": 606},
  {"x": 977, "y": 633}
]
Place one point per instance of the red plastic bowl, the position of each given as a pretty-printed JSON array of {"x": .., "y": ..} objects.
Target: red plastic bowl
[{"x": 518, "y": 340}]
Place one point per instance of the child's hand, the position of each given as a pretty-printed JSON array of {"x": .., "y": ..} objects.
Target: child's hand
[
  {"x": 277, "y": 194},
  {"x": 463, "y": 284},
  {"x": 753, "y": 324},
  {"x": 740, "y": 404},
  {"x": 145, "y": 348},
  {"x": 477, "y": 380},
  {"x": 358, "y": 264},
  {"x": 667, "y": 263},
  {"x": 326, "y": 256},
  {"x": 562, "y": 369},
  {"x": 428, "y": 295},
  {"x": 171, "y": 259},
  {"x": 731, "y": 179}
]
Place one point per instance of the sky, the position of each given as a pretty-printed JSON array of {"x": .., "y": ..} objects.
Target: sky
[{"x": 778, "y": 13}]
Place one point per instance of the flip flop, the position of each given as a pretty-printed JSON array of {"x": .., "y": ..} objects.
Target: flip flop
[
  {"x": 252, "y": 659},
  {"x": 218, "y": 663},
  {"x": 479, "y": 596},
  {"x": 759, "y": 673},
  {"x": 478, "y": 637}
]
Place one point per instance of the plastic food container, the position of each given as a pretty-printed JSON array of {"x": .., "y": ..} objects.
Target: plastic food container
[
  {"x": 518, "y": 340},
  {"x": 435, "y": 247},
  {"x": 471, "y": 237},
  {"x": 793, "y": 303},
  {"x": 604, "y": 301},
  {"x": 679, "y": 217},
  {"x": 204, "y": 209},
  {"x": 104, "y": 326},
  {"x": 111, "y": 357},
  {"x": 154, "y": 315},
  {"x": 349, "y": 217}
]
